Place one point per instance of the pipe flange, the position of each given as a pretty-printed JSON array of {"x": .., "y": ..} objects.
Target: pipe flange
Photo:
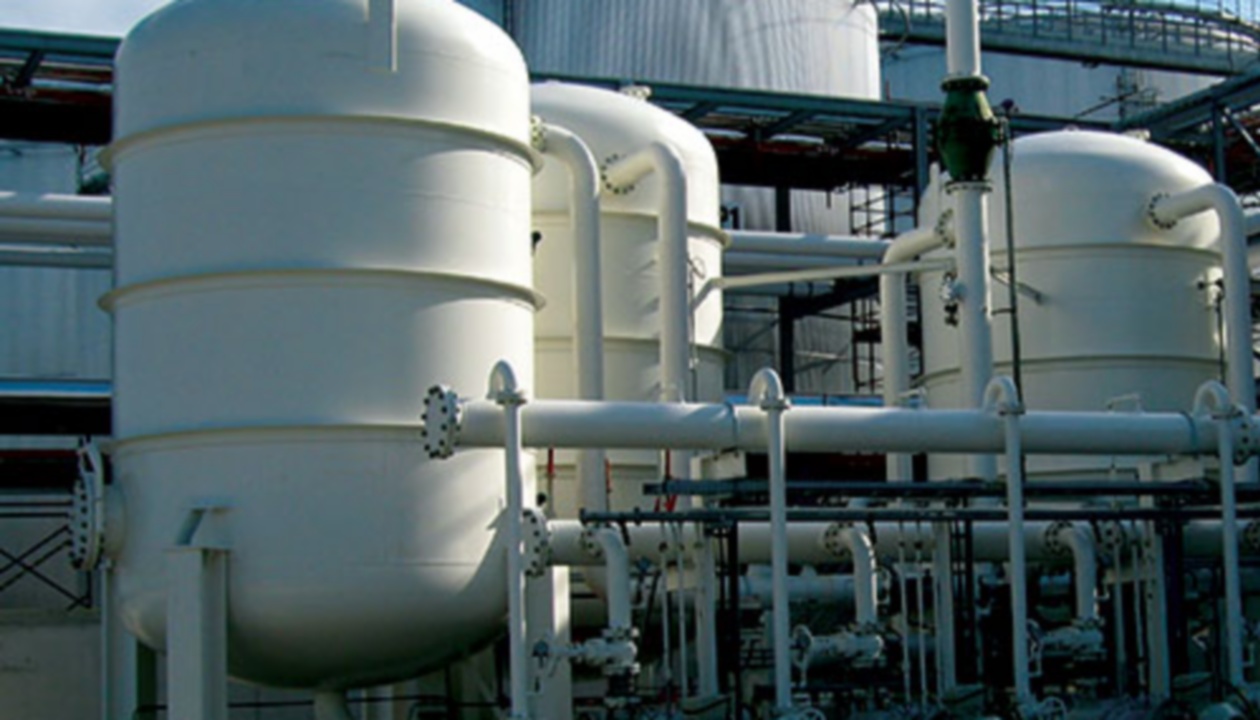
[
  {"x": 1152, "y": 212},
  {"x": 609, "y": 187},
  {"x": 590, "y": 543},
  {"x": 1055, "y": 546},
  {"x": 620, "y": 634},
  {"x": 1251, "y": 536},
  {"x": 1110, "y": 535},
  {"x": 833, "y": 540},
  {"x": 537, "y": 542},
  {"x": 537, "y": 133},
  {"x": 1244, "y": 439},
  {"x": 87, "y": 516},
  {"x": 441, "y": 417}
]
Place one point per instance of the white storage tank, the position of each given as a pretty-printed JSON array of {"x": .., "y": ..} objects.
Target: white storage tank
[
  {"x": 1114, "y": 311},
  {"x": 319, "y": 215},
  {"x": 615, "y": 125}
]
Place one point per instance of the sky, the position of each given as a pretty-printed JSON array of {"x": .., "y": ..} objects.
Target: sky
[{"x": 93, "y": 17}]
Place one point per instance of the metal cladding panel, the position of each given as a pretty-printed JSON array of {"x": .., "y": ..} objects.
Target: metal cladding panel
[
  {"x": 811, "y": 46},
  {"x": 53, "y": 327},
  {"x": 493, "y": 10},
  {"x": 1043, "y": 86}
]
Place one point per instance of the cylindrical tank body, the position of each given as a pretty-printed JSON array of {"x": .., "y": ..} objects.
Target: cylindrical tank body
[
  {"x": 1113, "y": 311},
  {"x": 311, "y": 230},
  {"x": 615, "y": 125},
  {"x": 816, "y": 47}
]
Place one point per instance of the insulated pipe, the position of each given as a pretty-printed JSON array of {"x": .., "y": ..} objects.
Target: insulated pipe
[
  {"x": 893, "y": 325},
  {"x": 674, "y": 311},
  {"x": 962, "y": 39},
  {"x": 588, "y": 318},
  {"x": 1213, "y": 398},
  {"x": 1165, "y": 212},
  {"x": 50, "y": 206},
  {"x": 767, "y": 391},
  {"x": 974, "y": 320},
  {"x": 54, "y": 231},
  {"x": 829, "y": 273},
  {"x": 690, "y": 426},
  {"x": 857, "y": 541},
  {"x": 743, "y": 263},
  {"x": 1079, "y": 541},
  {"x": 617, "y": 563},
  {"x": 806, "y": 542},
  {"x": 834, "y": 247},
  {"x": 808, "y": 586},
  {"x": 1002, "y": 397},
  {"x": 505, "y": 391}
]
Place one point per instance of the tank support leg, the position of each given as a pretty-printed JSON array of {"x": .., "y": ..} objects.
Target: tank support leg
[
  {"x": 197, "y": 633},
  {"x": 547, "y": 619},
  {"x": 130, "y": 677}
]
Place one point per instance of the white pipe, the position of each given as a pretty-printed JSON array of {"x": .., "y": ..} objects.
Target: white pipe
[
  {"x": 962, "y": 38},
  {"x": 857, "y": 541},
  {"x": 894, "y": 340},
  {"x": 588, "y": 319},
  {"x": 1079, "y": 541},
  {"x": 743, "y": 263},
  {"x": 767, "y": 391},
  {"x": 690, "y": 426},
  {"x": 674, "y": 310},
  {"x": 331, "y": 705},
  {"x": 51, "y": 206},
  {"x": 1215, "y": 399},
  {"x": 829, "y": 273},
  {"x": 1165, "y": 212},
  {"x": 807, "y": 546},
  {"x": 808, "y": 586},
  {"x": 1002, "y": 398},
  {"x": 974, "y": 319},
  {"x": 55, "y": 256},
  {"x": 54, "y": 231},
  {"x": 505, "y": 391},
  {"x": 835, "y": 247},
  {"x": 617, "y": 563}
]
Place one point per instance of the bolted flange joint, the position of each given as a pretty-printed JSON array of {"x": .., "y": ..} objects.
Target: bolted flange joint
[
  {"x": 88, "y": 514},
  {"x": 537, "y": 542},
  {"x": 1053, "y": 541},
  {"x": 441, "y": 418},
  {"x": 833, "y": 540}
]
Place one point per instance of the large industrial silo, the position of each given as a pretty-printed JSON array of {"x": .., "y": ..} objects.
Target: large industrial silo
[{"x": 317, "y": 218}]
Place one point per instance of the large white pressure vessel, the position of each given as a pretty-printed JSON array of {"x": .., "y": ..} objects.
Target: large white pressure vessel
[
  {"x": 319, "y": 215},
  {"x": 614, "y": 126},
  {"x": 1114, "y": 311}
]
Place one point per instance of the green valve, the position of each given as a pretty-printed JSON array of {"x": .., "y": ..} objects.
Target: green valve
[{"x": 967, "y": 133}]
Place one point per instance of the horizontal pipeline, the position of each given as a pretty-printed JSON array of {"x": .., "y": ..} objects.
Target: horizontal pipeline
[{"x": 631, "y": 425}]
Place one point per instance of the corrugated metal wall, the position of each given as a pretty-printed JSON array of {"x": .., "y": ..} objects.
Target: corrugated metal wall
[
  {"x": 1042, "y": 86},
  {"x": 52, "y": 325}
]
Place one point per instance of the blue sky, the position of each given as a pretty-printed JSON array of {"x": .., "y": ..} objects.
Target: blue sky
[{"x": 95, "y": 17}]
